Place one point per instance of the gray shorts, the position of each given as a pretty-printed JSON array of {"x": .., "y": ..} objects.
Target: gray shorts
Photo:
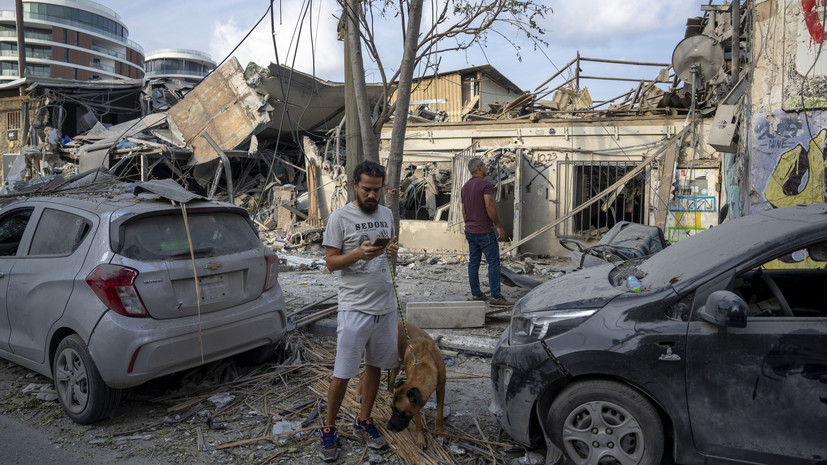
[{"x": 373, "y": 335}]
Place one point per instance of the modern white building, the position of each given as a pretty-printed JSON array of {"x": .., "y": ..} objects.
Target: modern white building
[
  {"x": 178, "y": 64},
  {"x": 68, "y": 39}
]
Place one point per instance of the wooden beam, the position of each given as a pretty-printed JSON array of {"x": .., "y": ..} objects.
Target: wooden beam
[{"x": 665, "y": 188}]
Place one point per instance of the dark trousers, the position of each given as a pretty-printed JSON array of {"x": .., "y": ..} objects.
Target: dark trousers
[{"x": 479, "y": 244}]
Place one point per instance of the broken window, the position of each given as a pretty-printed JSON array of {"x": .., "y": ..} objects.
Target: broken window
[
  {"x": 470, "y": 88},
  {"x": 13, "y": 120},
  {"x": 426, "y": 190},
  {"x": 582, "y": 181}
]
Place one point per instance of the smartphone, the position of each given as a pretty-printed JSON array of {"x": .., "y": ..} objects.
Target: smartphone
[{"x": 381, "y": 241}]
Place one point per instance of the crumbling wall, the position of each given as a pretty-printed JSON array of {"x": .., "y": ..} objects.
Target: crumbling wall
[
  {"x": 534, "y": 186},
  {"x": 786, "y": 143}
]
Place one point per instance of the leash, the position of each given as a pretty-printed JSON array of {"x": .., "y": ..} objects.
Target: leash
[{"x": 401, "y": 314}]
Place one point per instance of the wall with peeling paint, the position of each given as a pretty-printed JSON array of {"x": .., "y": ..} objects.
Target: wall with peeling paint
[{"x": 786, "y": 139}]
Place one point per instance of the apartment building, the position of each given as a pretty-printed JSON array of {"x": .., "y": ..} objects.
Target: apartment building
[
  {"x": 178, "y": 64},
  {"x": 68, "y": 39}
]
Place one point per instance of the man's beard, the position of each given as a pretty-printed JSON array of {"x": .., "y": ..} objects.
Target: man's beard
[{"x": 365, "y": 207}]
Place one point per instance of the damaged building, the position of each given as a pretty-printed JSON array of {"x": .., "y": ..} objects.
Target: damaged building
[{"x": 725, "y": 129}]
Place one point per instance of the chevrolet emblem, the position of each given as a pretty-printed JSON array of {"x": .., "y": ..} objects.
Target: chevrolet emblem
[{"x": 212, "y": 266}]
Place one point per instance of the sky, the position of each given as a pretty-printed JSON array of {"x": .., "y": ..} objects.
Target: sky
[{"x": 632, "y": 30}]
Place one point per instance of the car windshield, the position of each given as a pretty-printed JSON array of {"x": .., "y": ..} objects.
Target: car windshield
[{"x": 164, "y": 237}]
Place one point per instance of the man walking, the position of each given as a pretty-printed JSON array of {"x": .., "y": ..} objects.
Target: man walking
[
  {"x": 367, "y": 322},
  {"x": 481, "y": 222}
]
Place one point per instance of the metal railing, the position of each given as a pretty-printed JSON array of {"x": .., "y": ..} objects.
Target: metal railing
[
  {"x": 109, "y": 52},
  {"x": 585, "y": 179},
  {"x": 173, "y": 72},
  {"x": 102, "y": 67},
  {"x": 78, "y": 25}
]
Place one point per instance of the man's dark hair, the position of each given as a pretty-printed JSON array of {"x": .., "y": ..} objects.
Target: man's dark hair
[{"x": 369, "y": 168}]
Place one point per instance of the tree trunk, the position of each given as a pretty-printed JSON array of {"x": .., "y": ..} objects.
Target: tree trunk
[
  {"x": 370, "y": 143},
  {"x": 400, "y": 116}
]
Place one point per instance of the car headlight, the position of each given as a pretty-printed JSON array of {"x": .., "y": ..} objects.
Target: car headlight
[{"x": 532, "y": 327}]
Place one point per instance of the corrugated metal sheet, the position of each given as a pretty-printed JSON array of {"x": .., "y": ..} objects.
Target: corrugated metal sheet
[
  {"x": 447, "y": 88},
  {"x": 445, "y": 92}
]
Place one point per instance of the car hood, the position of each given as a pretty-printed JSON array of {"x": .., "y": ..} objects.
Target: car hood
[{"x": 586, "y": 288}]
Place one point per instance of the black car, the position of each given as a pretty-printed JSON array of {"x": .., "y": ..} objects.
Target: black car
[{"x": 721, "y": 358}]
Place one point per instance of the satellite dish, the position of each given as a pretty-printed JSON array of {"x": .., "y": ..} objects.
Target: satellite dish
[{"x": 700, "y": 55}]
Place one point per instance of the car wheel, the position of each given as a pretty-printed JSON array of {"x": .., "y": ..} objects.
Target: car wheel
[
  {"x": 82, "y": 393},
  {"x": 256, "y": 356},
  {"x": 605, "y": 423}
]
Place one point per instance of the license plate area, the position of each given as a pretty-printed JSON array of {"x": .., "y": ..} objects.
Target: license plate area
[{"x": 214, "y": 288}]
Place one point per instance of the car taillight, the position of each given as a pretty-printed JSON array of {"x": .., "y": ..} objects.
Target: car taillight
[
  {"x": 272, "y": 272},
  {"x": 115, "y": 287}
]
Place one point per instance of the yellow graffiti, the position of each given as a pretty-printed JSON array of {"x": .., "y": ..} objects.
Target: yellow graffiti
[
  {"x": 806, "y": 264},
  {"x": 783, "y": 188},
  {"x": 687, "y": 219}
]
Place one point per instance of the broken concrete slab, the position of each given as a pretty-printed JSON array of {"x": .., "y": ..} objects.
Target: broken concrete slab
[
  {"x": 429, "y": 315},
  {"x": 224, "y": 106}
]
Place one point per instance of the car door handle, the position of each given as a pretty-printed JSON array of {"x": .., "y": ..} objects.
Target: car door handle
[{"x": 2, "y": 274}]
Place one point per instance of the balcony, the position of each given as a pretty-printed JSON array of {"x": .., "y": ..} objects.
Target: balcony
[
  {"x": 173, "y": 72},
  {"x": 103, "y": 67},
  {"x": 109, "y": 52}
]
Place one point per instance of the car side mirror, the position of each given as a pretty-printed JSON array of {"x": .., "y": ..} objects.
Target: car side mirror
[{"x": 725, "y": 308}]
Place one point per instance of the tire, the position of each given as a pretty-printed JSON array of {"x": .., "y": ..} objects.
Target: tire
[
  {"x": 256, "y": 356},
  {"x": 604, "y": 422},
  {"x": 81, "y": 392}
]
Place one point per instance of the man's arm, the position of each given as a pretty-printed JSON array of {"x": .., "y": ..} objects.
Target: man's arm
[
  {"x": 492, "y": 213},
  {"x": 336, "y": 260}
]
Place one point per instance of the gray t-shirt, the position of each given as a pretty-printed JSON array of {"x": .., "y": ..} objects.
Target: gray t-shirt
[{"x": 365, "y": 286}]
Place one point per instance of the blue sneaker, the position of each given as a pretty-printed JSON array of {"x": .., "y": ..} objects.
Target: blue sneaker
[
  {"x": 327, "y": 449},
  {"x": 367, "y": 431}
]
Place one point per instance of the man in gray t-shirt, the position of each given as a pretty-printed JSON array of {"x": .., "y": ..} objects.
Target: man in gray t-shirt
[{"x": 367, "y": 322}]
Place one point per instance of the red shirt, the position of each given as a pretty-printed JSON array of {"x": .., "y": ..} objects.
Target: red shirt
[{"x": 476, "y": 216}]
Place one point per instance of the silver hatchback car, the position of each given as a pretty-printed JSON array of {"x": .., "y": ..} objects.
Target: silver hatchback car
[{"x": 104, "y": 292}]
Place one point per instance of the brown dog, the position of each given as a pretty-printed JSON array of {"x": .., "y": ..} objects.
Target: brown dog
[{"x": 425, "y": 373}]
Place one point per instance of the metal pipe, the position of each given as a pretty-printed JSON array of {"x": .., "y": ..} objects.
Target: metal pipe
[
  {"x": 624, "y": 62},
  {"x": 736, "y": 40}
]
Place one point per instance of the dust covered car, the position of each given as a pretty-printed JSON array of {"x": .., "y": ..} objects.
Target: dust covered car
[
  {"x": 720, "y": 358},
  {"x": 109, "y": 285}
]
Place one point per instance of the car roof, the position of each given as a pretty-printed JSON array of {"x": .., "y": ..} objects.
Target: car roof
[
  {"x": 746, "y": 239},
  {"x": 109, "y": 194}
]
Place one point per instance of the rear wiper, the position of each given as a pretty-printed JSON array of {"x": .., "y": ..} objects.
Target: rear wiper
[{"x": 197, "y": 252}]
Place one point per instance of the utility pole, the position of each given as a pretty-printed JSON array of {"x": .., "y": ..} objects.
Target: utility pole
[
  {"x": 21, "y": 42},
  {"x": 22, "y": 71},
  {"x": 353, "y": 139}
]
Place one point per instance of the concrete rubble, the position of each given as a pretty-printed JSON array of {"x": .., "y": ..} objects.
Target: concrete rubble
[{"x": 235, "y": 136}]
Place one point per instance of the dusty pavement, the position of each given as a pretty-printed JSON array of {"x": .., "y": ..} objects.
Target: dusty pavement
[{"x": 215, "y": 414}]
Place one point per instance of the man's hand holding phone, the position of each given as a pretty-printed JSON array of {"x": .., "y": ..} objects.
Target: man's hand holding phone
[
  {"x": 381, "y": 242},
  {"x": 380, "y": 245}
]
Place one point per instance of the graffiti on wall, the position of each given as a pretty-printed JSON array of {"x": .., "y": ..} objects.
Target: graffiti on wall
[
  {"x": 693, "y": 204},
  {"x": 805, "y": 74},
  {"x": 799, "y": 175},
  {"x": 694, "y": 207},
  {"x": 812, "y": 21},
  {"x": 787, "y": 165}
]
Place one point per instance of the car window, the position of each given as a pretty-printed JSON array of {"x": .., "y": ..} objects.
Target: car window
[
  {"x": 164, "y": 237},
  {"x": 12, "y": 227},
  {"x": 58, "y": 233},
  {"x": 787, "y": 285}
]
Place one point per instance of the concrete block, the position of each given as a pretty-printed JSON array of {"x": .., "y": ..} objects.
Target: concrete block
[{"x": 428, "y": 315}]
